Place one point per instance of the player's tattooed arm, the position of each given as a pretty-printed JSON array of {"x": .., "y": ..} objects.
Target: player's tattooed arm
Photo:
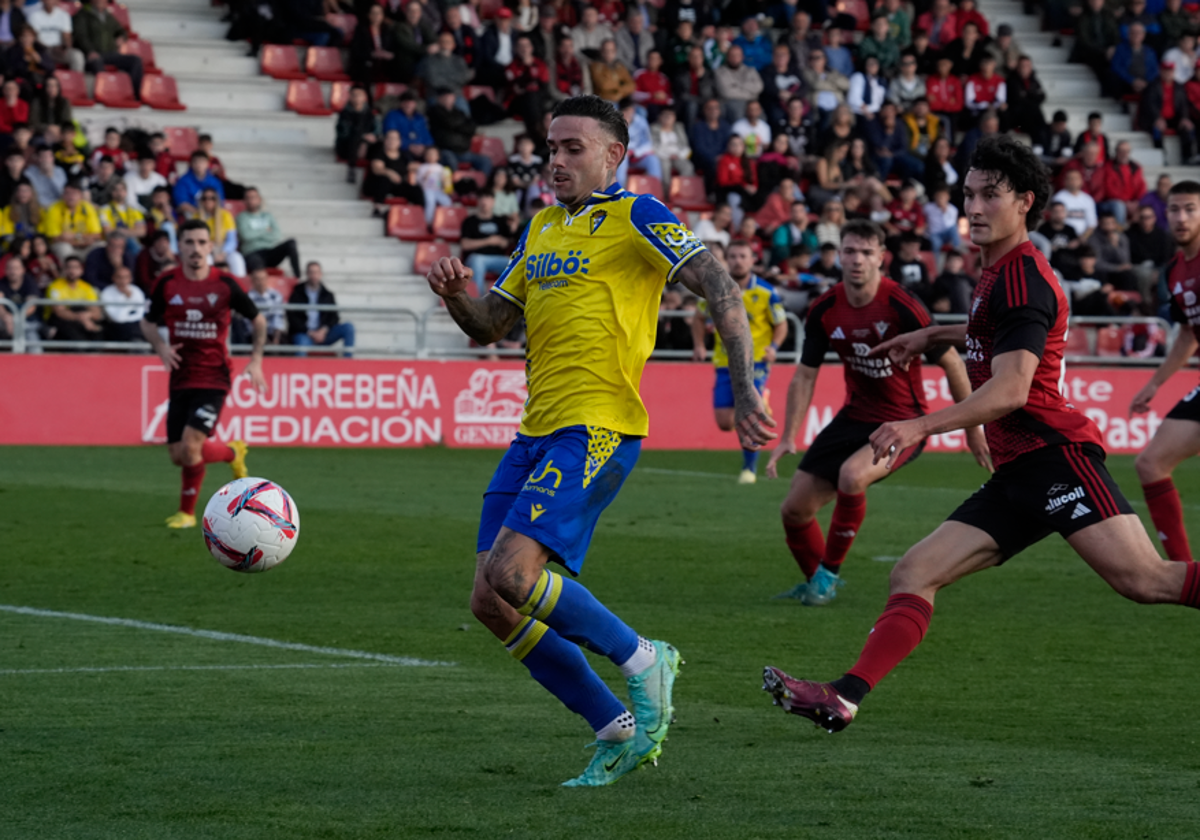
[
  {"x": 486, "y": 319},
  {"x": 703, "y": 275}
]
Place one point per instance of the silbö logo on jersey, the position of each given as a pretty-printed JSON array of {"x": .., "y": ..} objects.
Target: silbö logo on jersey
[{"x": 554, "y": 270}]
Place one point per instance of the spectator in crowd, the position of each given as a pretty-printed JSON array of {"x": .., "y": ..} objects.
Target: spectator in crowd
[
  {"x": 1025, "y": 97},
  {"x": 357, "y": 129},
  {"x": 1005, "y": 49},
  {"x": 1176, "y": 22},
  {"x": 453, "y": 131},
  {"x": 941, "y": 221},
  {"x": 796, "y": 128},
  {"x": 99, "y": 35},
  {"x": 695, "y": 84},
  {"x": 966, "y": 51},
  {"x": 507, "y": 198},
  {"x": 497, "y": 49},
  {"x": 652, "y": 88},
  {"x": 162, "y": 214},
  {"x": 223, "y": 229},
  {"x": 947, "y": 96},
  {"x": 1063, "y": 238},
  {"x": 716, "y": 47},
  {"x": 436, "y": 182},
  {"x": 100, "y": 185},
  {"x": 737, "y": 181},
  {"x": 312, "y": 327},
  {"x": 710, "y": 138},
  {"x": 414, "y": 38},
  {"x": 194, "y": 182},
  {"x": 837, "y": 54},
  {"x": 1166, "y": 106},
  {"x": 671, "y": 146},
  {"x": 674, "y": 333},
  {"x": 46, "y": 177},
  {"x": 827, "y": 88},
  {"x": 905, "y": 215},
  {"x": 1080, "y": 207},
  {"x": 262, "y": 240},
  {"x": 487, "y": 241},
  {"x": 29, "y": 62},
  {"x": 641, "y": 147},
  {"x": 756, "y": 47},
  {"x": 74, "y": 323},
  {"x": 792, "y": 235},
  {"x": 466, "y": 35},
  {"x": 164, "y": 161},
  {"x": 142, "y": 180},
  {"x": 1150, "y": 249},
  {"x": 677, "y": 46},
  {"x": 1134, "y": 64},
  {"x": 589, "y": 36},
  {"x": 1135, "y": 12},
  {"x": 446, "y": 70},
  {"x": 269, "y": 302},
  {"x": 71, "y": 224},
  {"x": 908, "y": 86},
  {"x": 888, "y": 144},
  {"x": 18, "y": 288},
  {"x": 120, "y": 215},
  {"x": 524, "y": 165},
  {"x": 952, "y": 289},
  {"x": 1058, "y": 147},
  {"x": 611, "y": 80},
  {"x": 939, "y": 168},
  {"x": 12, "y": 21},
  {"x": 528, "y": 78},
  {"x": 547, "y": 36},
  {"x": 634, "y": 42},
  {"x": 1124, "y": 184},
  {"x": 412, "y": 127},
  {"x": 737, "y": 84},
  {"x": 1091, "y": 168},
  {"x": 1113, "y": 261},
  {"x": 986, "y": 89},
  {"x": 909, "y": 270},
  {"x": 923, "y": 128},
  {"x": 304, "y": 20},
  {"x": 719, "y": 228},
  {"x": 1157, "y": 200},
  {"x": 867, "y": 91},
  {"x": 925, "y": 55},
  {"x": 826, "y": 266},
  {"x": 1094, "y": 133},
  {"x": 802, "y": 40},
  {"x": 753, "y": 130},
  {"x": 1182, "y": 57},
  {"x": 567, "y": 76},
  {"x": 125, "y": 306},
  {"x": 879, "y": 44},
  {"x": 154, "y": 259},
  {"x": 232, "y": 191},
  {"x": 12, "y": 174},
  {"x": 989, "y": 124},
  {"x": 781, "y": 83},
  {"x": 69, "y": 156},
  {"x": 940, "y": 24},
  {"x": 40, "y": 262},
  {"x": 23, "y": 215},
  {"x": 373, "y": 48},
  {"x": 1086, "y": 293},
  {"x": 55, "y": 31}
]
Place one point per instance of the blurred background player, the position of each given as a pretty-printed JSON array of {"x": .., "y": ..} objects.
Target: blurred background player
[
  {"x": 853, "y": 317},
  {"x": 1178, "y": 438},
  {"x": 193, "y": 301},
  {"x": 584, "y": 421},
  {"x": 1050, "y": 474},
  {"x": 768, "y": 329}
]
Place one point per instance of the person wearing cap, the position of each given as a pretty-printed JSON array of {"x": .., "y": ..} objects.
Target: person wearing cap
[
  {"x": 414, "y": 38},
  {"x": 497, "y": 49},
  {"x": 71, "y": 224},
  {"x": 546, "y": 35},
  {"x": 756, "y": 47},
  {"x": 1006, "y": 50}
]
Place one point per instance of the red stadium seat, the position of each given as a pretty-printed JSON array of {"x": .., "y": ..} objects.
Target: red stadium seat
[
  {"x": 448, "y": 222},
  {"x": 493, "y": 147},
  {"x": 121, "y": 13},
  {"x": 474, "y": 174},
  {"x": 234, "y": 206},
  {"x": 160, "y": 92},
  {"x": 930, "y": 260},
  {"x": 488, "y": 8},
  {"x": 72, "y": 6},
  {"x": 1108, "y": 341},
  {"x": 325, "y": 63},
  {"x": 472, "y": 91},
  {"x": 427, "y": 254},
  {"x": 280, "y": 62},
  {"x": 646, "y": 185},
  {"x": 182, "y": 141},
  {"x": 281, "y": 282},
  {"x": 144, "y": 49},
  {"x": 74, "y": 88},
  {"x": 346, "y": 23},
  {"x": 306, "y": 99},
  {"x": 386, "y": 89},
  {"x": 689, "y": 193},
  {"x": 115, "y": 90},
  {"x": 1078, "y": 342},
  {"x": 407, "y": 222},
  {"x": 339, "y": 95}
]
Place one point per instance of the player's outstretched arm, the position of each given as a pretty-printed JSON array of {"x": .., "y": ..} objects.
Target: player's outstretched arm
[
  {"x": 907, "y": 346},
  {"x": 960, "y": 388},
  {"x": 799, "y": 398},
  {"x": 1182, "y": 350},
  {"x": 486, "y": 319},
  {"x": 703, "y": 275},
  {"x": 1004, "y": 393},
  {"x": 168, "y": 354}
]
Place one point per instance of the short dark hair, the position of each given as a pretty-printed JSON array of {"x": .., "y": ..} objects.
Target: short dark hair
[
  {"x": 1095, "y": 115},
  {"x": 739, "y": 243},
  {"x": 1084, "y": 251},
  {"x": 192, "y": 224},
  {"x": 204, "y": 138},
  {"x": 198, "y": 154},
  {"x": 157, "y": 235},
  {"x": 864, "y": 229},
  {"x": 1013, "y": 163},
  {"x": 73, "y": 258},
  {"x": 600, "y": 110},
  {"x": 1184, "y": 188}
]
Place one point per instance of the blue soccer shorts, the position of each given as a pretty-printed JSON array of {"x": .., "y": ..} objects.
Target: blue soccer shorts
[
  {"x": 723, "y": 389},
  {"x": 553, "y": 489}
]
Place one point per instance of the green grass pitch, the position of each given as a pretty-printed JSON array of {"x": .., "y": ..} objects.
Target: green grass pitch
[{"x": 1040, "y": 705}]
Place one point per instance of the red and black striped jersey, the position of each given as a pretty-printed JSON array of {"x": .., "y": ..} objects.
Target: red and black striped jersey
[
  {"x": 196, "y": 315},
  {"x": 1183, "y": 282},
  {"x": 1019, "y": 305},
  {"x": 875, "y": 391}
]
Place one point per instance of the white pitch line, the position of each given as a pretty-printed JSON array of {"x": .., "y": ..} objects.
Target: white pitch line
[
  {"x": 218, "y": 636},
  {"x": 119, "y": 668},
  {"x": 684, "y": 473}
]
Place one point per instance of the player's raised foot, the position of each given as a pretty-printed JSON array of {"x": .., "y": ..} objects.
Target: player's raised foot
[
  {"x": 651, "y": 692},
  {"x": 238, "y": 464},
  {"x": 818, "y": 702},
  {"x": 613, "y": 759},
  {"x": 796, "y": 593},
  {"x": 179, "y": 519},
  {"x": 822, "y": 588},
  {"x": 747, "y": 477}
]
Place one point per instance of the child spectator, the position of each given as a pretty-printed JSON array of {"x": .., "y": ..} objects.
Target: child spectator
[
  {"x": 953, "y": 288},
  {"x": 908, "y": 269},
  {"x": 436, "y": 181},
  {"x": 524, "y": 166},
  {"x": 941, "y": 221},
  {"x": 907, "y": 216},
  {"x": 112, "y": 148}
]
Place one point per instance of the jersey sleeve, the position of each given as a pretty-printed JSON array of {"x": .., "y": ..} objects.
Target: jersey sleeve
[
  {"x": 660, "y": 238},
  {"x": 239, "y": 301},
  {"x": 912, "y": 316},
  {"x": 511, "y": 285},
  {"x": 157, "y": 310},
  {"x": 816, "y": 341},
  {"x": 1024, "y": 309}
]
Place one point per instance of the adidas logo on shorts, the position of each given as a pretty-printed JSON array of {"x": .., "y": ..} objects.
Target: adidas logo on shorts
[
  {"x": 1057, "y": 503},
  {"x": 1080, "y": 510}
]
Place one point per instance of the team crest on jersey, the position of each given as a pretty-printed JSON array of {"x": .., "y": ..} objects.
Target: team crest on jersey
[
  {"x": 881, "y": 327},
  {"x": 1178, "y": 289},
  {"x": 676, "y": 237},
  {"x": 837, "y": 333},
  {"x": 597, "y": 219},
  {"x": 175, "y": 301},
  {"x": 212, "y": 298}
]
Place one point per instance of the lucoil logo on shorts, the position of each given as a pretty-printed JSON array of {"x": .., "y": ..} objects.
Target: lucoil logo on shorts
[{"x": 1060, "y": 501}]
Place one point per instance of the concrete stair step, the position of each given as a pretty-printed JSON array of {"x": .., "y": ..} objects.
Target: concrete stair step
[
  {"x": 197, "y": 8},
  {"x": 299, "y": 227},
  {"x": 165, "y": 24},
  {"x": 236, "y": 97},
  {"x": 370, "y": 245},
  {"x": 346, "y": 262},
  {"x": 273, "y": 128},
  {"x": 280, "y": 191}
]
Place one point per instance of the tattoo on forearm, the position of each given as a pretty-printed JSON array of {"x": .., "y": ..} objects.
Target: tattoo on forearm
[
  {"x": 485, "y": 319},
  {"x": 704, "y": 274}
]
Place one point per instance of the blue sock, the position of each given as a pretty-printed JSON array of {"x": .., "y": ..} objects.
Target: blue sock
[
  {"x": 562, "y": 669},
  {"x": 577, "y": 616},
  {"x": 749, "y": 459}
]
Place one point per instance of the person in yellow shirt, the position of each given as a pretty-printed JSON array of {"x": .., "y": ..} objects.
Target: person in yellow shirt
[
  {"x": 71, "y": 224},
  {"x": 74, "y": 323},
  {"x": 118, "y": 214},
  {"x": 587, "y": 276},
  {"x": 223, "y": 229}
]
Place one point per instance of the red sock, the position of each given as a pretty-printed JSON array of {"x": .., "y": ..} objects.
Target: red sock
[
  {"x": 848, "y": 516},
  {"x": 193, "y": 477},
  {"x": 1166, "y": 511},
  {"x": 807, "y": 545},
  {"x": 1190, "y": 596},
  {"x": 215, "y": 452},
  {"x": 895, "y": 635}
]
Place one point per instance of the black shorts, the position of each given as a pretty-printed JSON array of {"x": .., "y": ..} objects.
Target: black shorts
[
  {"x": 196, "y": 407},
  {"x": 840, "y": 440},
  {"x": 1187, "y": 408},
  {"x": 1059, "y": 488}
]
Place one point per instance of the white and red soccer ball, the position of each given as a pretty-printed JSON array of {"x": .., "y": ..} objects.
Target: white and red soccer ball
[{"x": 251, "y": 525}]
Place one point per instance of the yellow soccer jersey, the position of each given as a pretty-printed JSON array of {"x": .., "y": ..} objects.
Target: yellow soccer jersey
[
  {"x": 764, "y": 308},
  {"x": 589, "y": 284}
]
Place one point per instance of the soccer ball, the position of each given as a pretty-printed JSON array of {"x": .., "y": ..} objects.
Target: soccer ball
[{"x": 251, "y": 525}]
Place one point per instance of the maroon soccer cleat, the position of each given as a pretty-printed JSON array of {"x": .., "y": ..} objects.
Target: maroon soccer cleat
[{"x": 818, "y": 702}]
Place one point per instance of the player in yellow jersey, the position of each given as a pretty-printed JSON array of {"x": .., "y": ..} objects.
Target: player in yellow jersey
[
  {"x": 768, "y": 329},
  {"x": 587, "y": 274}
]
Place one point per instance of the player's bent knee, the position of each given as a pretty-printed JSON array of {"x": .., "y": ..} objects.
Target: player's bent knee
[
  {"x": 1149, "y": 469},
  {"x": 852, "y": 482},
  {"x": 796, "y": 514}
]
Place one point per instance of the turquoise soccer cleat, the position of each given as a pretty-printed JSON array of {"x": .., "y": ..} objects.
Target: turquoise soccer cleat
[
  {"x": 822, "y": 588},
  {"x": 651, "y": 693},
  {"x": 796, "y": 593},
  {"x": 613, "y": 759}
]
